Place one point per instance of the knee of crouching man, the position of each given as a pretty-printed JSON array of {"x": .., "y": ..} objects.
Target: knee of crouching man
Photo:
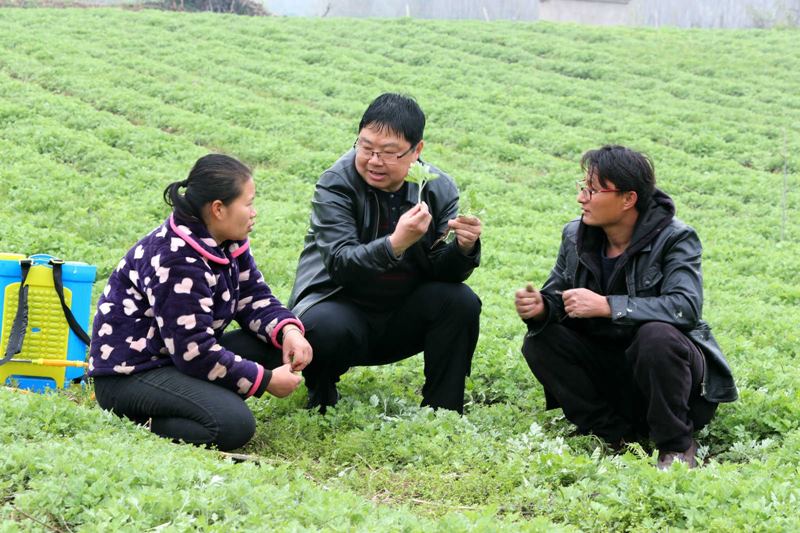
[
  {"x": 655, "y": 334},
  {"x": 655, "y": 339},
  {"x": 466, "y": 301}
]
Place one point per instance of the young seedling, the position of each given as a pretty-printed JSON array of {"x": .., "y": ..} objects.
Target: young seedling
[
  {"x": 471, "y": 207},
  {"x": 421, "y": 175}
]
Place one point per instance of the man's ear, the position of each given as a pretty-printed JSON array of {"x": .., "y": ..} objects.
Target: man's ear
[
  {"x": 418, "y": 149},
  {"x": 630, "y": 199}
]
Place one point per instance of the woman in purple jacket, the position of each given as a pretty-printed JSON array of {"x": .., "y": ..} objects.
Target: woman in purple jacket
[{"x": 158, "y": 350}]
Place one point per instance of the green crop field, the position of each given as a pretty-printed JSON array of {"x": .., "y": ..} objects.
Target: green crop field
[{"x": 100, "y": 109}]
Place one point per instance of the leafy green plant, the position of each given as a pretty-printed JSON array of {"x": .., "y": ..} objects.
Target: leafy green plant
[
  {"x": 420, "y": 174},
  {"x": 471, "y": 207}
]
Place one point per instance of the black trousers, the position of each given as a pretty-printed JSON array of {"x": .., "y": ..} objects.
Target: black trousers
[
  {"x": 188, "y": 409},
  {"x": 437, "y": 318},
  {"x": 620, "y": 390}
]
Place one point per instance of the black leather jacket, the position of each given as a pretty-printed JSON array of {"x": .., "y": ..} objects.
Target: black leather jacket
[
  {"x": 342, "y": 245},
  {"x": 657, "y": 279}
]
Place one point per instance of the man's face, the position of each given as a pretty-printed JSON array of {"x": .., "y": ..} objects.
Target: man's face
[
  {"x": 601, "y": 206},
  {"x": 377, "y": 158}
]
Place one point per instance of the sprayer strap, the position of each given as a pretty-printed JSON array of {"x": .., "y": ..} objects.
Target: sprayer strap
[
  {"x": 20, "y": 323},
  {"x": 59, "y": 285}
]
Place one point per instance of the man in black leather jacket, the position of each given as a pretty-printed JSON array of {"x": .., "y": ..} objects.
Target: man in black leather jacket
[
  {"x": 615, "y": 336},
  {"x": 375, "y": 282}
]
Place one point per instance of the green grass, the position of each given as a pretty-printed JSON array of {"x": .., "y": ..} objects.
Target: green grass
[{"x": 100, "y": 109}]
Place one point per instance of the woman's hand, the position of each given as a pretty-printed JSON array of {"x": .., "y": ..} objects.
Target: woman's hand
[
  {"x": 283, "y": 381},
  {"x": 296, "y": 349}
]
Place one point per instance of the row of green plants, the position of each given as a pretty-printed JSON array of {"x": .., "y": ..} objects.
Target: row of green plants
[{"x": 100, "y": 109}]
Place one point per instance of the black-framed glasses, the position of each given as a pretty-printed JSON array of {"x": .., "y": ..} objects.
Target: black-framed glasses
[
  {"x": 388, "y": 158},
  {"x": 586, "y": 191}
]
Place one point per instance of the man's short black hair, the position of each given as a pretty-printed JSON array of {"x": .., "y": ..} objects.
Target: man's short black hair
[
  {"x": 395, "y": 113},
  {"x": 626, "y": 169}
]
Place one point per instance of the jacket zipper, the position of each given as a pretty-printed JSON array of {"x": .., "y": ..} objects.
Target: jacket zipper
[{"x": 374, "y": 198}]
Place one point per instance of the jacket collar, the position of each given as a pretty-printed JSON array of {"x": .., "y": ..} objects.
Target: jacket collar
[
  {"x": 590, "y": 239},
  {"x": 196, "y": 235},
  {"x": 659, "y": 215}
]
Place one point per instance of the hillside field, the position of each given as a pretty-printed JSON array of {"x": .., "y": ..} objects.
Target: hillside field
[{"x": 101, "y": 108}]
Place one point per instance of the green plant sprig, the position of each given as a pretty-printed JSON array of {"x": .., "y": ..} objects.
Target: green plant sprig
[
  {"x": 471, "y": 206},
  {"x": 420, "y": 174}
]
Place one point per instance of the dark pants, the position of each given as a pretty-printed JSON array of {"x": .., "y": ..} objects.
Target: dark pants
[
  {"x": 618, "y": 390},
  {"x": 437, "y": 318},
  {"x": 184, "y": 408}
]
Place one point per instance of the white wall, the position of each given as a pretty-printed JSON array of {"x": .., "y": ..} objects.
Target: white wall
[
  {"x": 602, "y": 13},
  {"x": 434, "y": 9},
  {"x": 681, "y": 13}
]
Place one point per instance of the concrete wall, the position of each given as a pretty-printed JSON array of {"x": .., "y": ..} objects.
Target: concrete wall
[
  {"x": 680, "y": 13},
  {"x": 587, "y": 12},
  {"x": 302, "y": 8},
  {"x": 428, "y": 9}
]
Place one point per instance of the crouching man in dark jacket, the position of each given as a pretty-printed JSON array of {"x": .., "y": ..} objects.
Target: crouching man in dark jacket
[
  {"x": 615, "y": 336},
  {"x": 376, "y": 283}
]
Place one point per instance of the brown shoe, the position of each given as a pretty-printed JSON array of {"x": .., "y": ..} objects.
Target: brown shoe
[{"x": 665, "y": 459}]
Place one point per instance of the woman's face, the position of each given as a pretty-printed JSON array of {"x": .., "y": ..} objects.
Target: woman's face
[{"x": 235, "y": 220}]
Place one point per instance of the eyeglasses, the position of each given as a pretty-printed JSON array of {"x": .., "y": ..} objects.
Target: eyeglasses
[
  {"x": 388, "y": 158},
  {"x": 585, "y": 190}
]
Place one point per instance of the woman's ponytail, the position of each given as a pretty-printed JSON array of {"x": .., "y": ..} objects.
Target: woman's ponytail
[{"x": 213, "y": 177}]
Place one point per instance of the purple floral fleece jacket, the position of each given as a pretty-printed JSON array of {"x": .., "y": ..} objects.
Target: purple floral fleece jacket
[{"x": 169, "y": 301}]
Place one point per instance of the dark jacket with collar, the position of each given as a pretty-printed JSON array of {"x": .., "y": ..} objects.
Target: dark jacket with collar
[
  {"x": 657, "y": 279},
  {"x": 342, "y": 243},
  {"x": 170, "y": 299}
]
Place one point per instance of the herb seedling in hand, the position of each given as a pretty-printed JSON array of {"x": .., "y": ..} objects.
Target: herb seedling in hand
[
  {"x": 421, "y": 175},
  {"x": 472, "y": 207}
]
